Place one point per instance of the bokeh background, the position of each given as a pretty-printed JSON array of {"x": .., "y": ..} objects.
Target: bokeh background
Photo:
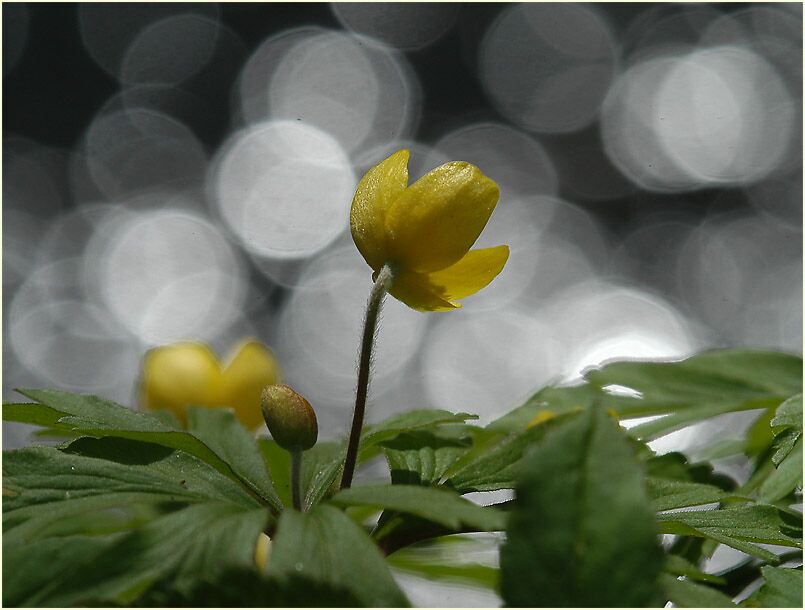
[{"x": 184, "y": 171}]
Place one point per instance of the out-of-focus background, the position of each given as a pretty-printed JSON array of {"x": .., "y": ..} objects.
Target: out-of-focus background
[{"x": 185, "y": 171}]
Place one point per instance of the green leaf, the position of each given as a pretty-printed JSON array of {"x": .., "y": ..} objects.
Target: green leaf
[
  {"x": 321, "y": 466},
  {"x": 326, "y": 547},
  {"x": 582, "y": 532},
  {"x": 679, "y": 566},
  {"x": 474, "y": 574},
  {"x": 555, "y": 400},
  {"x": 785, "y": 478},
  {"x": 437, "y": 505},
  {"x": 739, "y": 527},
  {"x": 782, "y": 589},
  {"x": 192, "y": 543},
  {"x": 494, "y": 462},
  {"x": 700, "y": 387},
  {"x": 92, "y": 416},
  {"x": 220, "y": 430},
  {"x": 47, "y": 485},
  {"x": 422, "y": 457},
  {"x": 666, "y": 494},
  {"x": 238, "y": 588},
  {"x": 689, "y": 594},
  {"x": 408, "y": 421}
]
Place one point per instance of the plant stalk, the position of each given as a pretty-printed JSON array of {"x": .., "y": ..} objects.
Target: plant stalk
[
  {"x": 382, "y": 284},
  {"x": 296, "y": 472}
]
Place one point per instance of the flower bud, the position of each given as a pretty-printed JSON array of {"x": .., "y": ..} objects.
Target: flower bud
[{"x": 289, "y": 417}]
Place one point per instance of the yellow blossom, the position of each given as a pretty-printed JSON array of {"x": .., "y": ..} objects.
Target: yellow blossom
[
  {"x": 177, "y": 376},
  {"x": 425, "y": 231}
]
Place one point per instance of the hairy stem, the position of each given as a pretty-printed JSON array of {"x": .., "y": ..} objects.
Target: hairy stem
[
  {"x": 296, "y": 471},
  {"x": 382, "y": 284}
]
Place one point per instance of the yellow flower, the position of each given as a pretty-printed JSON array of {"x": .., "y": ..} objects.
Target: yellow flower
[
  {"x": 187, "y": 374},
  {"x": 425, "y": 231}
]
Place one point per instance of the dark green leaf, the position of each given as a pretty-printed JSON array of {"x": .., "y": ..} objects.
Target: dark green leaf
[
  {"x": 739, "y": 527},
  {"x": 582, "y": 532},
  {"x": 422, "y": 457},
  {"x": 239, "y": 588},
  {"x": 92, "y": 416},
  {"x": 47, "y": 485},
  {"x": 326, "y": 547},
  {"x": 437, "y": 505},
  {"x": 196, "y": 542},
  {"x": 782, "y": 589},
  {"x": 689, "y": 594}
]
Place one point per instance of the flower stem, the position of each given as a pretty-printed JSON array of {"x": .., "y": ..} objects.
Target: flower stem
[
  {"x": 382, "y": 284},
  {"x": 296, "y": 471}
]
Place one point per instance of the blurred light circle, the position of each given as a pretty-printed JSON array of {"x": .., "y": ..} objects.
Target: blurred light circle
[
  {"x": 721, "y": 265},
  {"x": 488, "y": 362},
  {"x": 320, "y": 328},
  {"x": 408, "y": 26},
  {"x": 547, "y": 67},
  {"x": 667, "y": 26},
  {"x": 724, "y": 115},
  {"x": 356, "y": 90},
  {"x": 108, "y": 30},
  {"x": 166, "y": 275},
  {"x": 22, "y": 235},
  {"x": 599, "y": 321},
  {"x": 516, "y": 161},
  {"x": 629, "y": 130},
  {"x": 71, "y": 344},
  {"x": 284, "y": 188},
  {"x": 136, "y": 149},
  {"x": 170, "y": 50}
]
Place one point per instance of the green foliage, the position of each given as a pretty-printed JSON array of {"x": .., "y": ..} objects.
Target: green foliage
[
  {"x": 133, "y": 509},
  {"x": 582, "y": 532},
  {"x": 782, "y": 589},
  {"x": 325, "y": 546}
]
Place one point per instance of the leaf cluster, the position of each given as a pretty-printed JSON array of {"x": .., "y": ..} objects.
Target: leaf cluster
[{"x": 134, "y": 509}]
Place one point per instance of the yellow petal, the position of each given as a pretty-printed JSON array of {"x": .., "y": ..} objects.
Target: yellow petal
[
  {"x": 413, "y": 290},
  {"x": 473, "y": 272},
  {"x": 251, "y": 369},
  {"x": 177, "y": 376},
  {"x": 439, "y": 290},
  {"x": 435, "y": 221},
  {"x": 376, "y": 192}
]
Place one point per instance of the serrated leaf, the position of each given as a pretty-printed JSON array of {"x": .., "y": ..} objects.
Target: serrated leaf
[
  {"x": 437, "y": 505},
  {"x": 326, "y": 547},
  {"x": 666, "y": 494},
  {"x": 408, "y": 421},
  {"x": 689, "y": 594},
  {"x": 88, "y": 415},
  {"x": 782, "y": 589},
  {"x": 786, "y": 477},
  {"x": 582, "y": 532},
  {"x": 421, "y": 457},
  {"x": 494, "y": 462},
  {"x": 741, "y": 527},
  {"x": 50, "y": 485},
  {"x": 220, "y": 430},
  {"x": 186, "y": 545}
]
